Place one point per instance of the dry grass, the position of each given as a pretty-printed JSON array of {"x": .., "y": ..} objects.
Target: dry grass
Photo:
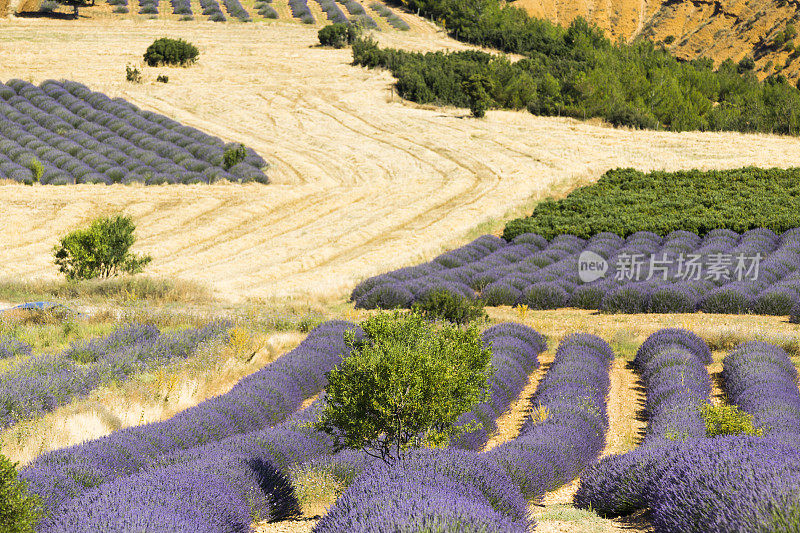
[
  {"x": 148, "y": 397},
  {"x": 361, "y": 185}
]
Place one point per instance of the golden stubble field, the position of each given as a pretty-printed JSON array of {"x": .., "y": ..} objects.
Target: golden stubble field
[{"x": 362, "y": 181}]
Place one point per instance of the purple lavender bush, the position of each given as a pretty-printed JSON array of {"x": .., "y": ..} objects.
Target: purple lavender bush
[
  {"x": 73, "y": 135},
  {"x": 761, "y": 380},
  {"x": 38, "y": 384},
  {"x": 236, "y": 420},
  {"x": 723, "y": 272},
  {"x": 11, "y": 348}
]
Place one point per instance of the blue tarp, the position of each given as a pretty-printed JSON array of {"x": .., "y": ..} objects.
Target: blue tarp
[{"x": 39, "y": 306}]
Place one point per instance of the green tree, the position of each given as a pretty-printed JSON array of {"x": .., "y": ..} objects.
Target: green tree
[
  {"x": 334, "y": 35},
  {"x": 477, "y": 88},
  {"x": 404, "y": 385},
  {"x": 167, "y": 51},
  {"x": 233, "y": 156},
  {"x": 101, "y": 250},
  {"x": 19, "y": 510}
]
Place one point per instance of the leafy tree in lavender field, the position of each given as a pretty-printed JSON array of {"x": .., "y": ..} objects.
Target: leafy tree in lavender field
[{"x": 404, "y": 385}]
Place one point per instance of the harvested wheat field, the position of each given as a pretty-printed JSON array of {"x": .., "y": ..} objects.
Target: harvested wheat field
[{"x": 361, "y": 181}]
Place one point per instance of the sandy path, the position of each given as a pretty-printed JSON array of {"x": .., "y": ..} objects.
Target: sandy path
[{"x": 362, "y": 182}]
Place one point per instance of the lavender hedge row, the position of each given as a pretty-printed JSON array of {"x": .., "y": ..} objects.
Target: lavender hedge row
[
  {"x": 255, "y": 402},
  {"x": 515, "y": 354},
  {"x": 356, "y": 10},
  {"x": 181, "y": 7},
  {"x": 332, "y": 11},
  {"x": 11, "y": 348},
  {"x": 455, "y": 490},
  {"x": 236, "y": 9},
  {"x": 212, "y": 9},
  {"x": 300, "y": 10},
  {"x": 148, "y": 7},
  {"x": 69, "y": 134},
  {"x": 545, "y": 274},
  {"x": 38, "y": 384},
  {"x": 671, "y": 363},
  {"x": 696, "y": 485},
  {"x": 761, "y": 380},
  {"x": 391, "y": 17},
  {"x": 254, "y": 465}
]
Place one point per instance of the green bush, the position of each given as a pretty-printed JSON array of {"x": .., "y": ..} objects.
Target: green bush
[
  {"x": 404, "y": 385},
  {"x": 19, "y": 510},
  {"x": 445, "y": 305},
  {"x": 162, "y": 78},
  {"x": 233, "y": 156},
  {"x": 334, "y": 35},
  {"x": 101, "y": 250},
  {"x": 625, "y": 201},
  {"x": 133, "y": 74},
  {"x": 167, "y": 51},
  {"x": 725, "y": 419}
]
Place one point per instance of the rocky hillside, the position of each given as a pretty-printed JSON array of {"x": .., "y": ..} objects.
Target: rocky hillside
[{"x": 719, "y": 29}]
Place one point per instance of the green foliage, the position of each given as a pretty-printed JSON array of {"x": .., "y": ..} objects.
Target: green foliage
[
  {"x": 19, "y": 510},
  {"x": 101, "y": 250},
  {"x": 746, "y": 64},
  {"x": 37, "y": 168},
  {"x": 133, "y": 74},
  {"x": 162, "y": 78},
  {"x": 233, "y": 156},
  {"x": 725, "y": 419},
  {"x": 625, "y": 201},
  {"x": 167, "y": 51},
  {"x": 339, "y": 34},
  {"x": 404, "y": 385},
  {"x": 445, "y": 305},
  {"x": 334, "y": 35},
  {"x": 477, "y": 88},
  {"x": 578, "y": 72}
]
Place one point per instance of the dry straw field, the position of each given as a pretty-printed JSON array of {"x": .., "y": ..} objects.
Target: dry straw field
[{"x": 362, "y": 181}]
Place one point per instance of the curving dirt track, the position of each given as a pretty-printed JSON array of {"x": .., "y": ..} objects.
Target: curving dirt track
[{"x": 362, "y": 182}]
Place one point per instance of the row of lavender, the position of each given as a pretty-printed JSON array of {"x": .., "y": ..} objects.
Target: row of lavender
[
  {"x": 696, "y": 484},
  {"x": 255, "y": 402},
  {"x": 721, "y": 272},
  {"x": 230, "y": 480},
  {"x": 31, "y": 385},
  {"x": 455, "y": 490},
  {"x": 63, "y": 133}
]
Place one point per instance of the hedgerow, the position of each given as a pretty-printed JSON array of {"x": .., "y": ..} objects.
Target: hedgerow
[
  {"x": 578, "y": 72},
  {"x": 625, "y": 201}
]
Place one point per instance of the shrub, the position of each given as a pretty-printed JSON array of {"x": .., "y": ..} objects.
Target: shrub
[
  {"x": 545, "y": 295},
  {"x": 167, "y": 51},
  {"x": 233, "y": 156},
  {"x": 404, "y": 385},
  {"x": 101, "y": 250},
  {"x": 673, "y": 299},
  {"x": 625, "y": 201},
  {"x": 37, "y": 169},
  {"x": 334, "y": 35},
  {"x": 162, "y": 78},
  {"x": 19, "y": 510},
  {"x": 725, "y": 419},
  {"x": 133, "y": 74},
  {"x": 445, "y": 305},
  {"x": 48, "y": 6},
  {"x": 626, "y": 299},
  {"x": 477, "y": 89}
]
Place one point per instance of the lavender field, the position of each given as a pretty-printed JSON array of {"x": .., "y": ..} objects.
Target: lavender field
[
  {"x": 722, "y": 272},
  {"x": 62, "y": 133}
]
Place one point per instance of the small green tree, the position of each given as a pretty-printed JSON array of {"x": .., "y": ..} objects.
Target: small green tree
[
  {"x": 477, "y": 88},
  {"x": 233, "y": 156},
  {"x": 167, "y": 51},
  {"x": 445, "y": 305},
  {"x": 19, "y": 510},
  {"x": 101, "y": 250},
  {"x": 725, "y": 419},
  {"x": 334, "y": 35},
  {"x": 404, "y": 385}
]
